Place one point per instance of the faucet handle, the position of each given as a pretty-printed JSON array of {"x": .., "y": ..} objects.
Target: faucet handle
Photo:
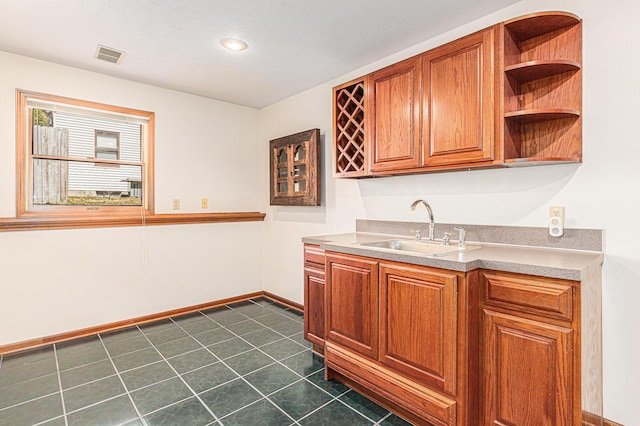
[
  {"x": 461, "y": 235},
  {"x": 417, "y": 234},
  {"x": 447, "y": 238}
]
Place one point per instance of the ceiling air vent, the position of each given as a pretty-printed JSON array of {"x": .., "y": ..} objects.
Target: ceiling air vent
[{"x": 108, "y": 54}]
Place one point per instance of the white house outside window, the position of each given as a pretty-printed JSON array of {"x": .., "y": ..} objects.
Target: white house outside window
[{"x": 82, "y": 158}]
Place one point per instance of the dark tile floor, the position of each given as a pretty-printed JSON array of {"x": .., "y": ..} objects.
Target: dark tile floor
[{"x": 241, "y": 364}]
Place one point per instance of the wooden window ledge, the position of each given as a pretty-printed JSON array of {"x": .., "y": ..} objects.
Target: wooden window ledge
[{"x": 35, "y": 223}]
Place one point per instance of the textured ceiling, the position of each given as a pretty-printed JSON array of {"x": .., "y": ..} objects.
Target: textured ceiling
[{"x": 293, "y": 44}]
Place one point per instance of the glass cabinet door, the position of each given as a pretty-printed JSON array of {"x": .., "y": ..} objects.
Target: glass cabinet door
[
  {"x": 294, "y": 169},
  {"x": 282, "y": 167}
]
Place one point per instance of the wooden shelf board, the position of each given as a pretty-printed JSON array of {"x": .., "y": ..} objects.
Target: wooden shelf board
[
  {"x": 540, "y": 161},
  {"x": 535, "y": 24},
  {"x": 35, "y": 223},
  {"x": 536, "y": 115},
  {"x": 533, "y": 70}
]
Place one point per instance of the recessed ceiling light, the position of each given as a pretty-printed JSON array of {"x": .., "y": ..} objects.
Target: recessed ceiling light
[{"x": 233, "y": 44}]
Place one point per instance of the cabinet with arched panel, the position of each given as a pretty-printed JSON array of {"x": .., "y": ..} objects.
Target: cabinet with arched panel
[{"x": 294, "y": 169}]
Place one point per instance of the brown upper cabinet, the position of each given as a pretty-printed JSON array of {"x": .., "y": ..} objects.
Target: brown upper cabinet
[
  {"x": 508, "y": 95},
  {"x": 458, "y": 101},
  {"x": 394, "y": 117}
]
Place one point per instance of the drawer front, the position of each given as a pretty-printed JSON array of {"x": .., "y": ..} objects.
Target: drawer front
[
  {"x": 549, "y": 297},
  {"x": 313, "y": 254}
]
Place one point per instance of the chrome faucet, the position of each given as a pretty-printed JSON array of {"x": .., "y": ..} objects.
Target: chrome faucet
[
  {"x": 461, "y": 236},
  {"x": 432, "y": 224}
]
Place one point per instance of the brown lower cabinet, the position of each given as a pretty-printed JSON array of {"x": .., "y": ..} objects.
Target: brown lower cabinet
[
  {"x": 530, "y": 351},
  {"x": 441, "y": 347},
  {"x": 314, "y": 290}
]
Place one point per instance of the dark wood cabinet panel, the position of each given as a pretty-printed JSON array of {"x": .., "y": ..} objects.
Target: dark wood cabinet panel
[
  {"x": 352, "y": 303},
  {"x": 314, "y": 289},
  {"x": 458, "y": 101},
  {"x": 418, "y": 320},
  {"x": 394, "y": 117},
  {"x": 314, "y": 295},
  {"x": 548, "y": 297},
  {"x": 527, "y": 372}
]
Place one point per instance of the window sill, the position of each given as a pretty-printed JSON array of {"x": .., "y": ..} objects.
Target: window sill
[{"x": 36, "y": 223}]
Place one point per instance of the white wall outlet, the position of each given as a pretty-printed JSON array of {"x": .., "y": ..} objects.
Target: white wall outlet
[
  {"x": 176, "y": 203},
  {"x": 204, "y": 203},
  {"x": 556, "y": 221}
]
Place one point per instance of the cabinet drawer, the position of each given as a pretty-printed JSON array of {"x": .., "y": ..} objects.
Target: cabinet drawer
[
  {"x": 548, "y": 297},
  {"x": 313, "y": 254}
]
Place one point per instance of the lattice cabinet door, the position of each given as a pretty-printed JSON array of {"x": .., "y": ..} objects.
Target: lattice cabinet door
[
  {"x": 349, "y": 128},
  {"x": 294, "y": 169}
]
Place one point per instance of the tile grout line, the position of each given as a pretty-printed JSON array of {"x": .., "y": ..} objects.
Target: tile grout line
[
  {"x": 126, "y": 389},
  {"x": 336, "y": 398},
  {"x": 32, "y": 399},
  {"x": 64, "y": 408},
  {"x": 242, "y": 376},
  {"x": 303, "y": 378},
  {"x": 216, "y": 419},
  {"x": 379, "y": 422},
  {"x": 91, "y": 381}
]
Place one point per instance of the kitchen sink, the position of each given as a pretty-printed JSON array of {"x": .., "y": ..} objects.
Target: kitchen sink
[{"x": 428, "y": 248}]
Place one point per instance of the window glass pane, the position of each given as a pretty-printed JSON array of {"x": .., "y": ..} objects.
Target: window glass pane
[
  {"x": 107, "y": 155},
  {"x": 82, "y": 135},
  {"x": 75, "y": 183},
  {"x": 106, "y": 140}
]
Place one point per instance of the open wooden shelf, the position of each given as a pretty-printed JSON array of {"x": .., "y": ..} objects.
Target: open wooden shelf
[
  {"x": 542, "y": 89},
  {"x": 536, "y": 115},
  {"x": 536, "y": 24},
  {"x": 525, "y": 162},
  {"x": 534, "y": 70}
]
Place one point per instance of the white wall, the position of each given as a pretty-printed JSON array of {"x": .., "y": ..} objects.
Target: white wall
[
  {"x": 57, "y": 281},
  {"x": 600, "y": 193}
]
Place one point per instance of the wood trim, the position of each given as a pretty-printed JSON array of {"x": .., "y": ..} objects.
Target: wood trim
[
  {"x": 24, "y": 154},
  {"x": 57, "y": 338},
  {"x": 38, "y": 222},
  {"x": 590, "y": 419},
  {"x": 281, "y": 300}
]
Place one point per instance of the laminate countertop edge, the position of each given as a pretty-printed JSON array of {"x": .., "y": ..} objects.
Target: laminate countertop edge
[{"x": 540, "y": 261}]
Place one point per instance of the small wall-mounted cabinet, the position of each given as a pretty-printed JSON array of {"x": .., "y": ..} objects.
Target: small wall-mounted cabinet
[
  {"x": 509, "y": 95},
  {"x": 294, "y": 169}
]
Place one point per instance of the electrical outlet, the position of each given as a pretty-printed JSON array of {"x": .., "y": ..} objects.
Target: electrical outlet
[
  {"x": 556, "y": 212},
  {"x": 204, "y": 203},
  {"x": 176, "y": 203},
  {"x": 556, "y": 221}
]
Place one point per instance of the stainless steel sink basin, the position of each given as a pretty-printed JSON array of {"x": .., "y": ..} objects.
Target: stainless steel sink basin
[{"x": 428, "y": 248}]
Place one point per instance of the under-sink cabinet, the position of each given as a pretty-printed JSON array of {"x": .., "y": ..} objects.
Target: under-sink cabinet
[
  {"x": 442, "y": 347},
  {"x": 399, "y": 332}
]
